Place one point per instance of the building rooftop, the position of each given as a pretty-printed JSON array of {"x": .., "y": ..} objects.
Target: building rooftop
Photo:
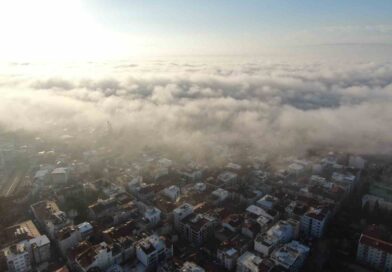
[
  {"x": 86, "y": 258},
  {"x": 227, "y": 176},
  {"x": 381, "y": 190},
  {"x": 233, "y": 166},
  {"x": 85, "y": 227},
  {"x": 375, "y": 237},
  {"x": 59, "y": 170},
  {"x": 197, "y": 221},
  {"x": 318, "y": 213},
  {"x": 220, "y": 193},
  {"x": 191, "y": 267},
  {"x": 40, "y": 241},
  {"x": 15, "y": 249},
  {"x": 150, "y": 212},
  {"x": 267, "y": 239},
  {"x": 253, "y": 209},
  {"x": 288, "y": 254},
  {"x": 41, "y": 173},
  {"x": 234, "y": 220},
  {"x": 183, "y": 207},
  {"x": 151, "y": 243},
  {"x": 16, "y": 233},
  {"x": 250, "y": 260},
  {"x": 296, "y": 167},
  {"x": 65, "y": 232},
  {"x": 268, "y": 201},
  {"x": 49, "y": 211}
]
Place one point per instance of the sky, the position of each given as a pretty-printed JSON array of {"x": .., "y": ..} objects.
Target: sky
[{"x": 98, "y": 29}]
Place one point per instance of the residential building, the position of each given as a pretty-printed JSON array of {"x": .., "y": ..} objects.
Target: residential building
[
  {"x": 281, "y": 232},
  {"x": 40, "y": 249},
  {"x": 152, "y": 250},
  {"x": 314, "y": 221},
  {"x": 233, "y": 222},
  {"x": 181, "y": 212},
  {"x": 19, "y": 232},
  {"x": 68, "y": 237},
  {"x": 371, "y": 200},
  {"x": 60, "y": 175},
  {"x": 375, "y": 249},
  {"x": 200, "y": 187},
  {"x": 249, "y": 262},
  {"x": 119, "y": 207},
  {"x": 228, "y": 177},
  {"x": 23, "y": 255},
  {"x": 228, "y": 257},
  {"x": 256, "y": 211},
  {"x": 50, "y": 217},
  {"x": 220, "y": 195},
  {"x": 191, "y": 267},
  {"x": 356, "y": 162},
  {"x": 296, "y": 169},
  {"x": 346, "y": 179},
  {"x": 267, "y": 202},
  {"x": 99, "y": 256},
  {"x": 380, "y": 193},
  {"x": 291, "y": 256},
  {"x": 17, "y": 258},
  {"x": 153, "y": 215},
  {"x": 85, "y": 229},
  {"x": 172, "y": 192},
  {"x": 197, "y": 228}
]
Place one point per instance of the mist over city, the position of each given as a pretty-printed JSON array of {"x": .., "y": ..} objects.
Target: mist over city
[
  {"x": 269, "y": 107},
  {"x": 195, "y": 136}
]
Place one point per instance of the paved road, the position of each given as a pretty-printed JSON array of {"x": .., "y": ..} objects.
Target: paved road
[{"x": 11, "y": 182}]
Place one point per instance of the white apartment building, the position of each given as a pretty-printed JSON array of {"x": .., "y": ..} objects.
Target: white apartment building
[
  {"x": 50, "y": 217},
  {"x": 296, "y": 169},
  {"x": 21, "y": 256},
  {"x": 313, "y": 222},
  {"x": 153, "y": 215},
  {"x": 228, "y": 177},
  {"x": 281, "y": 232},
  {"x": 256, "y": 211},
  {"x": 220, "y": 194},
  {"x": 60, "y": 175},
  {"x": 172, "y": 192},
  {"x": 249, "y": 262},
  {"x": 67, "y": 238},
  {"x": 18, "y": 258},
  {"x": 228, "y": 257},
  {"x": 197, "y": 228},
  {"x": 291, "y": 256},
  {"x": 152, "y": 250},
  {"x": 191, "y": 267},
  {"x": 372, "y": 200},
  {"x": 96, "y": 256},
  {"x": 85, "y": 229},
  {"x": 200, "y": 187},
  {"x": 374, "y": 251},
  {"x": 181, "y": 212},
  {"x": 40, "y": 249},
  {"x": 347, "y": 179},
  {"x": 267, "y": 202},
  {"x": 356, "y": 162}
]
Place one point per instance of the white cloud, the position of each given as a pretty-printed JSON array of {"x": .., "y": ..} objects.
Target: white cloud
[{"x": 269, "y": 107}]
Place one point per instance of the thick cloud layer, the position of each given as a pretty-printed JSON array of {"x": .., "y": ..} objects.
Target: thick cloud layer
[{"x": 266, "y": 107}]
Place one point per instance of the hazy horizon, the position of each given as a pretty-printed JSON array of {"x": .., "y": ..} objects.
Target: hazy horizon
[{"x": 272, "y": 76}]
